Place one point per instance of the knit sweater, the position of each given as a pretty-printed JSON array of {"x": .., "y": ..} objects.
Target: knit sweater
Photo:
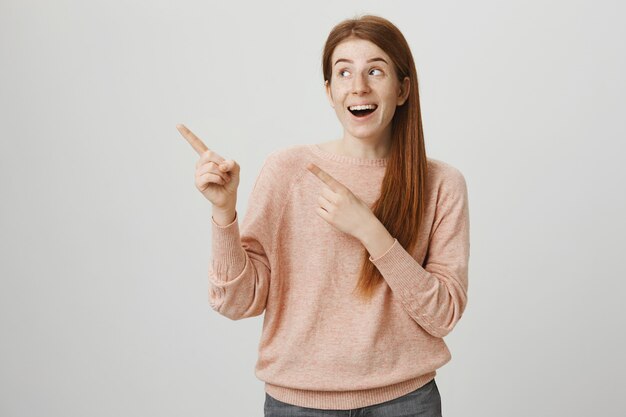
[{"x": 321, "y": 346}]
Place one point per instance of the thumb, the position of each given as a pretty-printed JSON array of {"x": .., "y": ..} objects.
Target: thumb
[{"x": 230, "y": 166}]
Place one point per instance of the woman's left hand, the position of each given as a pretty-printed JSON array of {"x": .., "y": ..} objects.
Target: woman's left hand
[{"x": 340, "y": 207}]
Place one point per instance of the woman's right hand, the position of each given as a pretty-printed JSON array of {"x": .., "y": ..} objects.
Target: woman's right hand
[{"x": 216, "y": 178}]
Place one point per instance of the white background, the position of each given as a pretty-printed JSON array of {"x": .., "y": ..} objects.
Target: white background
[{"x": 105, "y": 241}]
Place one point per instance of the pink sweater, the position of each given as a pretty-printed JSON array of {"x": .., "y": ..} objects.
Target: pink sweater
[{"x": 320, "y": 346}]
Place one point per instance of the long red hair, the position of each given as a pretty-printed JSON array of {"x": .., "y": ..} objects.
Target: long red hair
[{"x": 400, "y": 206}]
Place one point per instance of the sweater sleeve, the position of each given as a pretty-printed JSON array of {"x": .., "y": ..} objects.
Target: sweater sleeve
[
  {"x": 240, "y": 270},
  {"x": 435, "y": 295}
]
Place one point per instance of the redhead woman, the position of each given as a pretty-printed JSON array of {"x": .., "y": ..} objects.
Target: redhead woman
[{"x": 355, "y": 250}]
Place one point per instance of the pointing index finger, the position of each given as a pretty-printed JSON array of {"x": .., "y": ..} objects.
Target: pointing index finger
[
  {"x": 193, "y": 140},
  {"x": 324, "y": 176}
]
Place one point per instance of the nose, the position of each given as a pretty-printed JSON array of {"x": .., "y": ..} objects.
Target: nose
[{"x": 359, "y": 84}]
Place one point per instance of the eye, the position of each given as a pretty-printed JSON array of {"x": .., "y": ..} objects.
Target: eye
[{"x": 345, "y": 70}]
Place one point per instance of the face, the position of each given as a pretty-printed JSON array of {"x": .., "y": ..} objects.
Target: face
[{"x": 363, "y": 74}]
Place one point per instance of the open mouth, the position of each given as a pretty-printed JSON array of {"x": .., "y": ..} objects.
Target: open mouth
[{"x": 363, "y": 111}]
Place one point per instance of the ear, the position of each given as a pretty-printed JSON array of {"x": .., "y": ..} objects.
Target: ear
[
  {"x": 404, "y": 91},
  {"x": 329, "y": 94}
]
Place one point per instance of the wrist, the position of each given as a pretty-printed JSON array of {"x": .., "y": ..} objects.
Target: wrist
[
  {"x": 224, "y": 216},
  {"x": 376, "y": 238},
  {"x": 369, "y": 231}
]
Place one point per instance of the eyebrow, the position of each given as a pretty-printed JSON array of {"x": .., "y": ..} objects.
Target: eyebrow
[{"x": 351, "y": 61}]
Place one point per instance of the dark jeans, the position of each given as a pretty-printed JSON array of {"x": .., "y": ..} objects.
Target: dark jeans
[{"x": 423, "y": 402}]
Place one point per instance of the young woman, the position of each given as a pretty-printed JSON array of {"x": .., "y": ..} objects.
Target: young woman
[{"x": 355, "y": 249}]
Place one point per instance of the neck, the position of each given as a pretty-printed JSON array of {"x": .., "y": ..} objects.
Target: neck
[{"x": 367, "y": 148}]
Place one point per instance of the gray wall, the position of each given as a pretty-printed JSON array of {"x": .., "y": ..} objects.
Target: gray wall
[{"x": 105, "y": 242}]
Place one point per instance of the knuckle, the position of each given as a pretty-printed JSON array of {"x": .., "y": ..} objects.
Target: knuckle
[{"x": 206, "y": 156}]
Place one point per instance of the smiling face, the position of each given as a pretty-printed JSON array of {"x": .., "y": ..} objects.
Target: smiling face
[{"x": 364, "y": 76}]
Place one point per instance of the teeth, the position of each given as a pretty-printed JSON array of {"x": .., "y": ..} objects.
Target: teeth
[{"x": 363, "y": 107}]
